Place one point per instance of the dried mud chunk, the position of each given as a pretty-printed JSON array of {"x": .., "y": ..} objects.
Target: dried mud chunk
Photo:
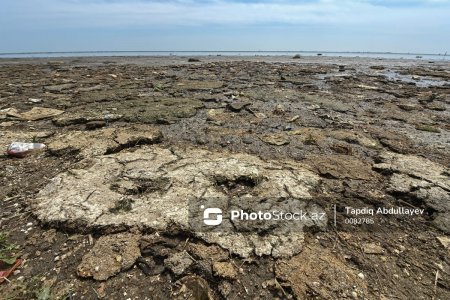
[
  {"x": 225, "y": 288},
  {"x": 436, "y": 106},
  {"x": 398, "y": 145},
  {"x": 69, "y": 119},
  {"x": 212, "y": 253},
  {"x": 318, "y": 272},
  {"x": 105, "y": 140},
  {"x": 407, "y": 106},
  {"x": 340, "y": 167},
  {"x": 354, "y": 138},
  {"x": 428, "y": 128},
  {"x": 95, "y": 125},
  {"x": 309, "y": 135},
  {"x": 445, "y": 241},
  {"x": 279, "y": 110},
  {"x": 217, "y": 116},
  {"x": 328, "y": 102},
  {"x": 420, "y": 179},
  {"x": 157, "y": 246},
  {"x": 193, "y": 287},
  {"x": 136, "y": 135},
  {"x": 109, "y": 256},
  {"x": 179, "y": 262},
  {"x": 36, "y": 113},
  {"x": 237, "y": 106},
  {"x": 91, "y": 194},
  {"x": 225, "y": 270},
  {"x": 415, "y": 167},
  {"x": 275, "y": 139},
  {"x": 372, "y": 248},
  {"x": 394, "y": 141},
  {"x": 342, "y": 148}
]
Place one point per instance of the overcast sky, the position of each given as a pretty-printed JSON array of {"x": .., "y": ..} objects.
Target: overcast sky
[{"x": 420, "y": 26}]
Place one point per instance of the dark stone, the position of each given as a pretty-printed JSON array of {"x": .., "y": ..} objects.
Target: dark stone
[
  {"x": 237, "y": 106},
  {"x": 247, "y": 140},
  {"x": 95, "y": 125}
]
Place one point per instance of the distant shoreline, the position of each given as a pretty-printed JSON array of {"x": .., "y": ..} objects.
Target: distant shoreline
[
  {"x": 166, "y": 60},
  {"x": 368, "y": 54}
]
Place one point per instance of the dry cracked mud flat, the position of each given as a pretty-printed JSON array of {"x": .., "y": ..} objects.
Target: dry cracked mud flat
[{"x": 133, "y": 143}]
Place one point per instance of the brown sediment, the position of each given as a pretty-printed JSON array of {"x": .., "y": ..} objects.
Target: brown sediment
[{"x": 130, "y": 140}]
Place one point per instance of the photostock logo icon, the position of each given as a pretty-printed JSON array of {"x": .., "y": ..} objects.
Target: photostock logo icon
[{"x": 212, "y": 216}]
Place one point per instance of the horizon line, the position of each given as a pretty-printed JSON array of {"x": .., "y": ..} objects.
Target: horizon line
[{"x": 217, "y": 51}]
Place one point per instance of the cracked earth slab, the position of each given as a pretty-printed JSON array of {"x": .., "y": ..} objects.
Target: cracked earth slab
[
  {"x": 309, "y": 273},
  {"x": 110, "y": 255},
  {"x": 105, "y": 140},
  {"x": 151, "y": 188},
  {"x": 421, "y": 179}
]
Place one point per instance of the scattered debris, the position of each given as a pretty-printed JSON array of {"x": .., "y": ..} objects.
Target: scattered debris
[
  {"x": 34, "y": 100},
  {"x": 20, "y": 150},
  {"x": 6, "y": 268}
]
